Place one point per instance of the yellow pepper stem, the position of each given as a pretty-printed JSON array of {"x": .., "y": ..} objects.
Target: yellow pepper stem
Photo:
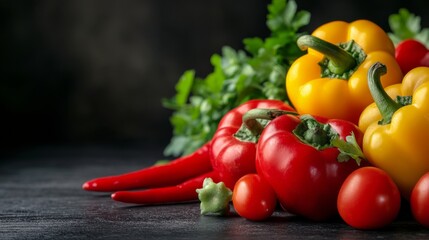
[
  {"x": 340, "y": 61},
  {"x": 385, "y": 104}
]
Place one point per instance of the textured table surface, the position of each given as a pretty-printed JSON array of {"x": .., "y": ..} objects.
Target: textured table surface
[{"x": 41, "y": 198}]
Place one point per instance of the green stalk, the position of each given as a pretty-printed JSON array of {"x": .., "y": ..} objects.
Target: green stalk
[
  {"x": 314, "y": 133},
  {"x": 340, "y": 61},
  {"x": 250, "y": 118},
  {"x": 322, "y": 136},
  {"x": 385, "y": 104}
]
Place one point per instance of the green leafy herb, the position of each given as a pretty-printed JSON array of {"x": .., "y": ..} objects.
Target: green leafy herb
[
  {"x": 238, "y": 75},
  {"x": 406, "y": 25}
]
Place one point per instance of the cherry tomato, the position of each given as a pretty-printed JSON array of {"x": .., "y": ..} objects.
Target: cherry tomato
[
  {"x": 253, "y": 198},
  {"x": 420, "y": 200},
  {"x": 368, "y": 199}
]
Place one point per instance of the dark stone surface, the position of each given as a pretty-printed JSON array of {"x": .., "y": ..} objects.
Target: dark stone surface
[{"x": 41, "y": 198}]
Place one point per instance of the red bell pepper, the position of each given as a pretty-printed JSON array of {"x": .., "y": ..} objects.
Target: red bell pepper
[
  {"x": 233, "y": 147},
  {"x": 306, "y": 159},
  {"x": 411, "y": 54}
]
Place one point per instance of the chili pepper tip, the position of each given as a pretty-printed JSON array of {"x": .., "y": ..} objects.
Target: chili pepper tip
[
  {"x": 113, "y": 196},
  {"x": 88, "y": 186}
]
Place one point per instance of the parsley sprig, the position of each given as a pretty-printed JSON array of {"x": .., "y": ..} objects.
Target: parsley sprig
[
  {"x": 406, "y": 25},
  {"x": 257, "y": 72}
]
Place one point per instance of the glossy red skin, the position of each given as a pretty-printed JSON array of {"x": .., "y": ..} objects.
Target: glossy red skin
[
  {"x": 369, "y": 199},
  {"x": 233, "y": 158},
  {"x": 253, "y": 198},
  {"x": 420, "y": 200},
  {"x": 184, "y": 168},
  {"x": 411, "y": 54},
  {"x": 306, "y": 180}
]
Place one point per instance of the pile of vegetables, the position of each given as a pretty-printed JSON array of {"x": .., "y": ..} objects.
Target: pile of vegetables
[{"x": 326, "y": 124}]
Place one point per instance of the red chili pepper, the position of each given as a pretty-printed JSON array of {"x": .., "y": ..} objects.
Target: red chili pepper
[
  {"x": 172, "y": 173},
  {"x": 183, "y": 192},
  {"x": 305, "y": 160},
  {"x": 411, "y": 54},
  {"x": 233, "y": 148}
]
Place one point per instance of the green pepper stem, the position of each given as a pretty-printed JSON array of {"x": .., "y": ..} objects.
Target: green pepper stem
[
  {"x": 313, "y": 133},
  {"x": 386, "y": 105},
  {"x": 214, "y": 197},
  {"x": 340, "y": 60},
  {"x": 255, "y": 127}
]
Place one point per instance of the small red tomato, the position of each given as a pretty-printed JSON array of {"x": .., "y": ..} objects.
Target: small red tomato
[
  {"x": 368, "y": 199},
  {"x": 253, "y": 198},
  {"x": 420, "y": 200}
]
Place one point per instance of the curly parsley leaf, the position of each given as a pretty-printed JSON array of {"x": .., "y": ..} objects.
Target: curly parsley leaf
[
  {"x": 406, "y": 25},
  {"x": 257, "y": 72}
]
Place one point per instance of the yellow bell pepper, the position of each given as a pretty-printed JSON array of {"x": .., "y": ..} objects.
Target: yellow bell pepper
[
  {"x": 330, "y": 80},
  {"x": 396, "y": 132}
]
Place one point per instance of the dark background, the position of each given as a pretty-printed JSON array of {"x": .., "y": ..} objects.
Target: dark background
[{"x": 87, "y": 71}]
